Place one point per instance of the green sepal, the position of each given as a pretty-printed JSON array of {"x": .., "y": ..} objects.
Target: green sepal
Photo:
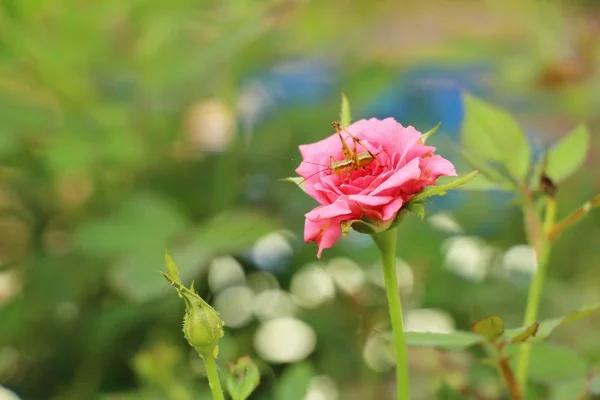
[
  {"x": 430, "y": 132},
  {"x": 416, "y": 208},
  {"x": 441, "y": 190},
  {"x": 345, "y": 112},
  {"x": 296, "y": 180}
]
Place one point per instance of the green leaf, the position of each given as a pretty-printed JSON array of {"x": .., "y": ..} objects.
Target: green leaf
[
  {"x": 416, "y": 208},
  {"x": 488, "y": 178},
  {"x": 293, "y": 383},
  {"x": 457, "y": 340},
  {"x": 345, "y": 113},
  {"x": 490, "y": 327},
  {"x": 568, "y": 155},
  {"x": 430, "y": 132},
  {"x": 243, "y": 379},
  {"x": 172, "y": 269},
  {"x": 527, "y": 334},
  {"x": 548, "y": 326},
  {"x": 441, "y": 190},
  {"x": 495, "y": 136},
  {"x": 550, "y": 363}
]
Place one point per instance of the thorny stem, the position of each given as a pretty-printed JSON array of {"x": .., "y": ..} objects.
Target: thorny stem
[
  {"x": 386, "y": 242},
  {"x": 213, "y": 378}
]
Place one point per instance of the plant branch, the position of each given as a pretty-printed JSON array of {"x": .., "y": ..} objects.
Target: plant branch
[
  {"x": 570, "y": 220},
  {"x": 514, "y": 389}
]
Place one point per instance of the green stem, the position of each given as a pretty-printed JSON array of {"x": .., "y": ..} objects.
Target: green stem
[
  {"x": 213, "y": 378},
  {"x": 386, "y": 242},
  {"x": 538, "y": 240}
]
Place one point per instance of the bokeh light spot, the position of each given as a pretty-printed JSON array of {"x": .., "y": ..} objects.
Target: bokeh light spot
[
  {"x": 284, "y": 340},
  {"x": 312, "y": 286},
  {"x": 235, "y": 306},
  {"x": 225, "y": 272}
]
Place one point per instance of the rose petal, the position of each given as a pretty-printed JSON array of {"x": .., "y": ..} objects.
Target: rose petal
[
  {"x": 370, "y": 201},
  {"x": 324, "y": 235},
  {"x": 339, "y": 208},
  {"x": 409, "y": 172},
  {"x": 391, "y": 209}
]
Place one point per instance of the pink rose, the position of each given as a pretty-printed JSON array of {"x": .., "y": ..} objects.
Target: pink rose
[{"x": 377, "y": 190}]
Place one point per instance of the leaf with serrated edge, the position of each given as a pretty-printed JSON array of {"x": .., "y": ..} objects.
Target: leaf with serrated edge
[
  {"x": 441, "y": 190},
  {"x": 494, "y": 134},
  {"x": 548, "y": 326},
  {"x": 490, "y": 327},
  {"x": 416, "y": 208},
  {"x": 345, "y": 112}
]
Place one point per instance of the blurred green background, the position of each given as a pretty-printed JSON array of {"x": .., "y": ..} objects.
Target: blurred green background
[{"x": 131, "y": 126}]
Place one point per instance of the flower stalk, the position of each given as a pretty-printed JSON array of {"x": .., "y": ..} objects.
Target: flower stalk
[
  {"x": 538, "y": 239},
  {"x": 386, "y": 242},
  {"x": 213, "y": 378}
]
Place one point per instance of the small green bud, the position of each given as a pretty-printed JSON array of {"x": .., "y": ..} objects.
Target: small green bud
[
  {"x": 243, "y": 379},
  {"x": 202, "y": 326}
]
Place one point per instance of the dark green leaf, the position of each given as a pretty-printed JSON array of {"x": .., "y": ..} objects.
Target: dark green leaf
[{"x": 495, "y": 136}]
